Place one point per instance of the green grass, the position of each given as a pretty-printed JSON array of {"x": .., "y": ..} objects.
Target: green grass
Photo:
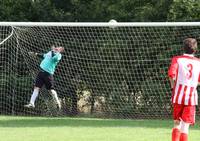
[{"x": 87, "y": 129}]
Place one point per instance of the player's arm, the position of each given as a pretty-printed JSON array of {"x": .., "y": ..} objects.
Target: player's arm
[
  {"x": 56, "y": 53},
  {"x": 36, "y": 54},
  {"x": 172, "y": 72},
  {"x": 199, "y": 81},
  {"x": 57, "y": 57},
  {"x": 171, "y": 80}
]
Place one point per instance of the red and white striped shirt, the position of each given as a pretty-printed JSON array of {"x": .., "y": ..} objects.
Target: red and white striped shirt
[{"x": 185, "y": 70}]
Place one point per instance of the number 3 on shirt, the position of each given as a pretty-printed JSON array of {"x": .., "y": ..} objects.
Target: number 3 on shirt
[{"x": 190, "y": 69}]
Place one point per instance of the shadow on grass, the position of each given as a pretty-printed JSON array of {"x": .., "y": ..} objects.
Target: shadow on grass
[{"x": 80, "y": 122}]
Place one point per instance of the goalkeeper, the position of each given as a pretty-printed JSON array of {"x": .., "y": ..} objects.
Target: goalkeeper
[{"x": 45, "y": 75}]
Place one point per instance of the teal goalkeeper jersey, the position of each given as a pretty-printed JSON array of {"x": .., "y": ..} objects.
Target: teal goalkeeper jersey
[{"x": 50, "y": 61}]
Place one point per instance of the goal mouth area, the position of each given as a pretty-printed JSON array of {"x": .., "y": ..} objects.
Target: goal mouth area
[{"x": 115, "y": 70}]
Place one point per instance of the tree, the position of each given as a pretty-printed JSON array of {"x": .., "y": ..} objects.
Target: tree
[
  {"x": 121, "y": 10},
  {"x": 15, "y": 10},
  {"x": 35, "y": 11},
  {"x": 184, "y": 10}
]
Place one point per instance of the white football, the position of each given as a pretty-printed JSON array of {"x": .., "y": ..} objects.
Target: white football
[{"x": 112, "y": 21}]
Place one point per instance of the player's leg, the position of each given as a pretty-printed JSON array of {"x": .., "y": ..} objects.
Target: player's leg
[
  {"x": 38, "y": 84},
  {"x": 49, "y": 83},
  {"x": 34, "y": 95},
  {"x": 184, "y": 131},
  {"x": 176, "y": 130},
  {"x": 33, "y": 98},
  {"x": 55, "y": 97},
  {"x": 177, "y": 111},
  {"x": 188, "y": 117}
]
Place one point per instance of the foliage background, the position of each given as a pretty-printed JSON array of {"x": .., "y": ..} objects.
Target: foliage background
[{"x": 99, "y": 10}]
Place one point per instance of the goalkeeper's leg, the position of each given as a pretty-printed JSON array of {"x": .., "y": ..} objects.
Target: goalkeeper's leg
[
  {"x": 33, "y": 98},
  {"x": 55, "y": 97},
  {"x": 49, "y": 83},
  {"x": 38, "y": 84}
]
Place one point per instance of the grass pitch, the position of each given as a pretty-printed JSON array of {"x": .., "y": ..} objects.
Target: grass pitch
[{"x": 87, "y": 129}]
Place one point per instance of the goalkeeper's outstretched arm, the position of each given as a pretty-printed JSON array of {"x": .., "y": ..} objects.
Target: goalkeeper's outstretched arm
[{"x": 36, "y": 54}]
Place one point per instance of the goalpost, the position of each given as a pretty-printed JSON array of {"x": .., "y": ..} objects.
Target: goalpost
[{"x": 108, "y": 69}]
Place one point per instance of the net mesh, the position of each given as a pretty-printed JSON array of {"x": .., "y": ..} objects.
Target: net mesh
[{"x": 118, "y": 72}]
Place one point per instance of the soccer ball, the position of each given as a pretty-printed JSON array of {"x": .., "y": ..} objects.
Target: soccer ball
[{"x": 112, "y": 21}]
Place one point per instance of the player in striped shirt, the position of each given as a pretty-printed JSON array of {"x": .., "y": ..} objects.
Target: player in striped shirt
[
  {"x": 45, "y": 76},
  {"x": 184, "y": 75}
]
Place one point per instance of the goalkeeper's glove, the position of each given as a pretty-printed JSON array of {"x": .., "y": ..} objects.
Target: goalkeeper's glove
[
  {"x": 31, "y": 53},
  {"x": 35, "y": 54}
]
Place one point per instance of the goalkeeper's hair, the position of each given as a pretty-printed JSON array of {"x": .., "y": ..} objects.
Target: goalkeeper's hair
[{"x": 190, "y": 45}]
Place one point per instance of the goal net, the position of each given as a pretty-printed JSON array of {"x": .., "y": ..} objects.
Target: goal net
[{"x": 107, "y": 70}]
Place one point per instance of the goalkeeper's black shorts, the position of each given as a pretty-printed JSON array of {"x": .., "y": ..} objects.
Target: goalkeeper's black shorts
[{"x": 44, "y": 78}]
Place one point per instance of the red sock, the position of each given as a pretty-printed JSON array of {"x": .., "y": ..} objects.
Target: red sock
[
  {"x": 183, "y": 137},
  {"x": 175, "y": 134}
]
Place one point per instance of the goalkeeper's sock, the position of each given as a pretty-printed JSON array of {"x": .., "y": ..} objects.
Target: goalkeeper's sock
[
  {"x": 34, "y": 96},
  {"x": 184, "y": 137},
  {"x": 55, "y": 97},
  {"x": 175, "y": 134}
]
